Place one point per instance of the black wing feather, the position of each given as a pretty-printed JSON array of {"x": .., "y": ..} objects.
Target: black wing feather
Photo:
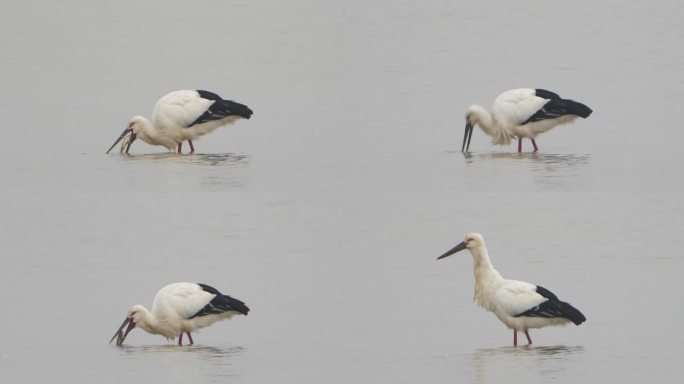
[
  {"x": 220, "y": 303},
  {"x": 544, "y": 94},
  {"x": 220, "y": 109},
  {"x": 209, "y": 95},
  {"x": 557, "y": 107},
  {"x": 210, "y": 289},
  {"x": 553, "y": 307}
]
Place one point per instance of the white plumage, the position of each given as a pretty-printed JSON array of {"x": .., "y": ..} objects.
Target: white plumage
[
  {"x": 522, "y": 113},
  {"x": 182, "y": 116},
  {"x": 181, "y": 308},
  {"x": 519, "y": 305}
]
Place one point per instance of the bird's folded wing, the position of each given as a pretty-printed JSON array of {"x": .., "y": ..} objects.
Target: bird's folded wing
[
  {"x": 183, "y": 108},
  {"x": 184, "y": 300},
  {"x": 516, "y": 297},
  {"x": 516, "y": 106}
]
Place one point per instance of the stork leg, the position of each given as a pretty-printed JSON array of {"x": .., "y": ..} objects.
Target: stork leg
[
  {"x": 192, "y": 150},
  {"x": 535, "y": 149},
  {"x": 180, "y": 145},
  {"x": 529, "y": 340},
  {"x": 515, "y": 338},
  {"x": 192, "y": 342},
  {"x": 519, "y": 144},
  {"x": 180, "y": 339}
]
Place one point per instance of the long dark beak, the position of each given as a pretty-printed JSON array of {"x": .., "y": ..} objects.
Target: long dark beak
[
  {"x": 123, "y": 134},
  {"x": 453, "y": 250},
  {"x": 467, "y": 135},
  {"x": 120, "y": 336}
]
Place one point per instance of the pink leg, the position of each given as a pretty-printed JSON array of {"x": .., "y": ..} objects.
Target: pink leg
[
  {"x": 535, "y": 145},
  {"x": 180, "y": 339},
  {"x": 515, "y": 338},
  {"x": 529, "y": 340},
  {"x": 192, "y": 150},
  {"x": 519, "y": 144},
  {"x": 192, "y": 342},
  {"x": 180, "y": 145}
]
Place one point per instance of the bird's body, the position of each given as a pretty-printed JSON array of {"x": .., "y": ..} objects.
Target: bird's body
[
  {"x": 182, "y": 116},
  {"x": 519, "y": 305},
  {"x": 181, "y": 308},
  {"x": 522, "y": 113}
]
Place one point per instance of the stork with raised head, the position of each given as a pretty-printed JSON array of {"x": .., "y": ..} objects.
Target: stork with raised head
[
  {"x": 182, "y": 116},
  {"x": 521, "y": 306},
  {"x": 522, "y": 113},
  {"x": 180, "y": 308}
]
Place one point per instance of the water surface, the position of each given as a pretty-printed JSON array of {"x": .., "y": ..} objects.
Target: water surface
[{"x": 325, "y": 212}]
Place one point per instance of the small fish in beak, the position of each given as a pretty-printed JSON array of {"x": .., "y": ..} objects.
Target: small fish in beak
[
  {"x": 120, "y": 335},
  {"x": 126, "y": 143},
  {"x": 123, "y": 135}
]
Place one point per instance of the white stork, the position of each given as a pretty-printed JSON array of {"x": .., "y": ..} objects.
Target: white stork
[
  {"x": 518, "y": 304},
  {"x": 521, "y": 113},
  {"x": 180, "y": 308},
  {"x": 180, "y": 116}
]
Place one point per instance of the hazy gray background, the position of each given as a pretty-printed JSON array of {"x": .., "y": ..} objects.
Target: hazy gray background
[{"x": 325, "y": 212}]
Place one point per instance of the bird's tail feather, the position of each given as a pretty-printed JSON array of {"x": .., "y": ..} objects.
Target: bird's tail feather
[
  {"x": 235, "y": 304},
  {"x": 576, "y": 108},
  {"x": 220, "y": 304},
  {"x": 222, "y": 109},
  {"x": 236, "y": 108},
  {"x": 571, "y": 313}
]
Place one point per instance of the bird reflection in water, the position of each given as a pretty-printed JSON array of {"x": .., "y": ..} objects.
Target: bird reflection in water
[
  {"x": 201, "y": 350},
  {"x": 496, "y": 365},
  {"x": 220, "y": 170},
  {"x": 210, "y": 159},
  {"x": 200, "y": 363},
  {"x": 547, "y": 169}
]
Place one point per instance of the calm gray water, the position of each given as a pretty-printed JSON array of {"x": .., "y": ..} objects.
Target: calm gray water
[{"x": 325, "y": 212}]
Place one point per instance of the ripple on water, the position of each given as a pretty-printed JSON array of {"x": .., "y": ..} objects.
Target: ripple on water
[
  {"x": 206, "y": 171},
  {"x": 215, "y": 362},
  {"x": 543, "y": 170}
]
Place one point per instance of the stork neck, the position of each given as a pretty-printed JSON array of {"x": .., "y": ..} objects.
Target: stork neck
[
  {"x": 482, "y": 263},
  {"x": 146, "y": 320},
  {"x": 147, "y": 132},
  {"x": 487, "y": 279},
  {"x": 483, "y": 119},
  {"x": 489, "y": 125}
]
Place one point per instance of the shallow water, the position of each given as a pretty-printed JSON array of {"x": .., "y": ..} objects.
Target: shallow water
[{"x": 325, "y": 212}]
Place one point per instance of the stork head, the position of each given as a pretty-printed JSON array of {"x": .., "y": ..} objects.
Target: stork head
[
  {"x": 475, "y": 115},
  {"x": 135, "y": 126},
  {"x": 472, "y": 240},
  {"x": 472, "y": 114},
  {"x": 135, "y": 316}
]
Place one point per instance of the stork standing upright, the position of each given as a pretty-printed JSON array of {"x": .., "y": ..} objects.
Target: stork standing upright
[
  {"x": 180, "y": 116},
  {"x": 518, "y": 304},
  {"x": 522, "y": 113},
  {"x": 180, "y": 308}
]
